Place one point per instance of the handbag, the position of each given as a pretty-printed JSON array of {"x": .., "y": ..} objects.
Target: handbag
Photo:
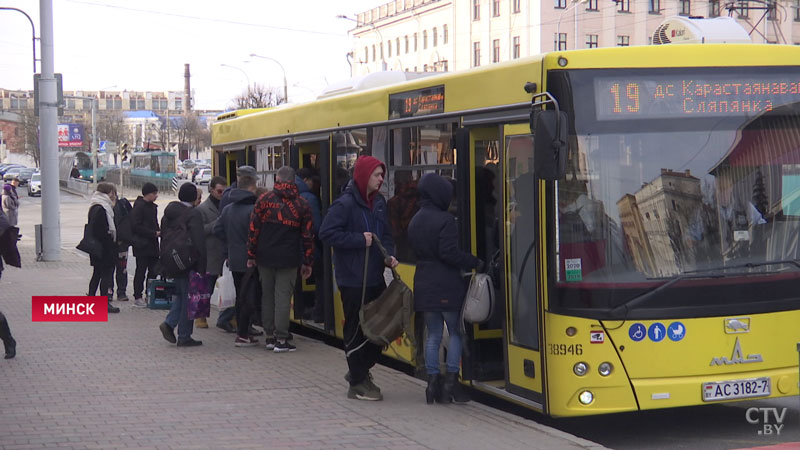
[
  {"x": 199, "y": 305},
  {"x": 224, "y": 295},
  {"x": 386, "y": 318},
  {"x": 89, "y": 244},
  {"x": 479, "y": 301}
]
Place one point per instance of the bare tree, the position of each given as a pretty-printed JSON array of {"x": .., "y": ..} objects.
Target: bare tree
[
  {"x": 30, "y": 130},
  {"x": 258, "y": 96},
  {"x": 111, "y": 127}
]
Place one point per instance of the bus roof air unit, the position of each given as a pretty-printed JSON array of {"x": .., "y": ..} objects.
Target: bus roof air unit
[{"x": 689, "y": 30}]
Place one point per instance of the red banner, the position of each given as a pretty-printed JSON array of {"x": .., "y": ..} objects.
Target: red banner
[{"x": 69, "y": 309}]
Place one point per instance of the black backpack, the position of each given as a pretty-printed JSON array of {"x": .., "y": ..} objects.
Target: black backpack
[
  {"x": 177, "y": 250},
  {"x": 122, "y": 220}
]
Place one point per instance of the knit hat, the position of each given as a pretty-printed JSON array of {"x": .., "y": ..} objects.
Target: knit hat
[
  {"x": 363, "y": 169},
  {"x": 187, "y": 193},
  {"x": 246, "y": 171},
  {"x": 149, "y": 188}
]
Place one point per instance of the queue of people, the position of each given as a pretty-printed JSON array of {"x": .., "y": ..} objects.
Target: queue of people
[{"x": 267, "y": 240}]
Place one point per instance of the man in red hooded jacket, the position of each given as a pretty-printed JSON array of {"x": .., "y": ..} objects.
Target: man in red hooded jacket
[{"x": 349, "y": 226}]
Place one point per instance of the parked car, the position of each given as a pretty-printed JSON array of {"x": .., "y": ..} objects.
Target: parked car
[
  {"x": 203, "y": 177},
  {"x": 180, "y": 172},
  {"x": 6, "y": 167},
  {"x": 11, "y": 173},
  {"x": 35, "y": 186},
  {"x": 25, "y": 175}
]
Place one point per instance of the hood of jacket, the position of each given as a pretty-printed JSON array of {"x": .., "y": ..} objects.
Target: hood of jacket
[
  {"x": 302, "y": 187},
  {"x": 141, "y": 201},
  {"x": 435, "y": 190},
  {"x": 174, "y": 210},
  {"x": 242, "y": 196},
  {"x": 363, "y": 169}
]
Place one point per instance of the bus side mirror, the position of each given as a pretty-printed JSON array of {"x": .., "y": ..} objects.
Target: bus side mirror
[{"x": 549, "y": 144}]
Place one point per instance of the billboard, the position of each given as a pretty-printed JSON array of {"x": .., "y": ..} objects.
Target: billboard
[{"x": 70, "y": 135}]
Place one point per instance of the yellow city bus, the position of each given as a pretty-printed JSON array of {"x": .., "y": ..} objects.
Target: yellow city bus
[{"x": 642, "y": 205}]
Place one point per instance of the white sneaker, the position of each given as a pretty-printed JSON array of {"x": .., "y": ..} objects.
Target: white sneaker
[{"x": 139, "y": 303}]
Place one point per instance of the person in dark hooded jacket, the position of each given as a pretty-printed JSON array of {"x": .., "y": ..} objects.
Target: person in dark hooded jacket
[
  {"x": 352, "y": 220},
  {"x": 9, "y": 344},
  {"x": 439, "y": 288},
  {"x": 144, "y": 225},
  {"x": 174, "y": 214}
]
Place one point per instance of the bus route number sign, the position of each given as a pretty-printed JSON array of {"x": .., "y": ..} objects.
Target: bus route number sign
[
  {"x": 701, "y": 95},
  {"x": 420, "y": 102}
]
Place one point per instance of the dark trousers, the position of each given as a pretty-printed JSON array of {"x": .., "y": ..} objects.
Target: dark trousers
[
  {"x": 361, "y": 354},
  {"x": 144, "y": 264},
  {"x": 319, "y": 307},
  {"x": 245, "y": 308},
  {"x": 103, "y": 276},
  {"x": 5, "y": 332},
  {"x": 121, "y": 272}
]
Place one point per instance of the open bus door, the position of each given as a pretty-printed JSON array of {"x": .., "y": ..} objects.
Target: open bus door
[
  {"x": 498, "y": 220},
  {"x": 313, "y": 152}
]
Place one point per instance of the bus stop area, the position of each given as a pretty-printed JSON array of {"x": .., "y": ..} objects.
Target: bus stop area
[{"x": 119, "y": 384}]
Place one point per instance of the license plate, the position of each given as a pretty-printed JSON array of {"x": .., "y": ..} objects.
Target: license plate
[{"x": 727, "y": 390}]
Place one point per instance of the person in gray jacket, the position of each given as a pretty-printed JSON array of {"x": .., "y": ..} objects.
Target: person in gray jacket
[
  {"x": 233, "y": 227},
  {"x": 215, "y": 247}
]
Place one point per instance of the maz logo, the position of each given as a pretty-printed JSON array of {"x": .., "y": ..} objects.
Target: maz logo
[{"x": 737, "y": 357}]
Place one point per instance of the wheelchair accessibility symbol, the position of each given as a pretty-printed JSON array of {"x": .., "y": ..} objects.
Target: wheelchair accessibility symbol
[{"x": 637, "y": 332}]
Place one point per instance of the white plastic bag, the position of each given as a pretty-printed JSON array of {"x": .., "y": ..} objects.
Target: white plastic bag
[{"x": 224, "y": 295}]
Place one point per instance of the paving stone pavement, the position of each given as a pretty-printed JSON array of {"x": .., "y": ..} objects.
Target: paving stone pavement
[{"x": 119, "y": 384}]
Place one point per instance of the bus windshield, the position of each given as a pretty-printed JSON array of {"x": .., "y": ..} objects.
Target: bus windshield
[{"x": 688, "y": 179}]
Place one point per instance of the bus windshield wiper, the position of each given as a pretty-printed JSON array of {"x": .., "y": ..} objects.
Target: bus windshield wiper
[{"x": 621, "y": 311}]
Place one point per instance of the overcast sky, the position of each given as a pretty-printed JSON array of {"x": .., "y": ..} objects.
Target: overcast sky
[{"x": 142, "y": 45}]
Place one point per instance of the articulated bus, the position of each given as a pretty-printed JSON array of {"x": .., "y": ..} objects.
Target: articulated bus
[{"x": 642, "y": 205}]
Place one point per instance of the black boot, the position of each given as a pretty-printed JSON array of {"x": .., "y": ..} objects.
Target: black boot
[
  {"x": 9, "y": 343},
  {"x": 451, "y": 389},
  {"x": 432, "y": 391}
]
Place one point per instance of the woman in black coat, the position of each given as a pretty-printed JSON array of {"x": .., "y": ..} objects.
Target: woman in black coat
[
  {"x": 102, "y": 227},
  {"x": 439, "y": 287}
]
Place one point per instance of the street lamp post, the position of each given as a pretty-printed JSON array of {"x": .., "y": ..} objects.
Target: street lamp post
[
  {"x": 285, "y": 88},
  {"x": 240, "y": 70},
  {"x": 33, "y": 30},
  {"x": 375, "y": 29},
  {"x": 574, "y": 5}
]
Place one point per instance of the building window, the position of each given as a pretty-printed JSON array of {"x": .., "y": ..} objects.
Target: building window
[
  {"x": 713, "y": 8},
  {"x": 560, "y": 4},
  {"x": 87, "y": 105},
  {"x": 444, "y": 33},
  {"x": 797, "y": 10},
  {"x": 140, "y": 104},
  {"x": 109, "y": 103},
  {"x": 623, "y": 41},
  {"x": 415, "y": 42},
  {"x": 366, "y": 54},
  {"x": 515, "y": 51},
  {"x": 624, "y": 6},
  {"x": 685, "y": 7},
  {"x": 435, "y": 36},
  {"x": 496, "y": 50},
  {"x": 515, "y": 6},
  {"x": 373, "y": 52},
  {"x": 389, "y": 49},
  {"x": 771, "y": 14},
  {"x": 178, "y": 104},
  {"x": 406, "y": 44},
  {"x": 495, "y": 8},
  {"x": 444, "y": 66},
  {"x": 381, "y": 48},
  {"x": 654, "y": 6},
  {"x": 133, "y": 103},
  {"x": 591, "y": 41},
  {"x": 560, "y": 41},
  {"x": 397, "y": 46},
  {"x": 476, "y": 9},
  {"x": 425, "y": 39},
  {"x": 476, "y": 54},
  {"x": 592, "y": 5},
  {"x": 743, "y": 9},
  {"x": 425, "y": 68}
]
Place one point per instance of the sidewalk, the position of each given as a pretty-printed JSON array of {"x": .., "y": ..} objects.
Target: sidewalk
[{"x": 119, "y": 384}]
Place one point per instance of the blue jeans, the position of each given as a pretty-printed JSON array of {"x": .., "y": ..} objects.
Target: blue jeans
[
  {"x": 434, "y": 321},
  {"x": 178, "y": 314}
]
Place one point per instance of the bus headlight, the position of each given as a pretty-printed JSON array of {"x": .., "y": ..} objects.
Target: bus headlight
[
  {"x": 605, "y": 369},
  {"x": 586, "y": 397},
  {"x": 580, "y": 369}
]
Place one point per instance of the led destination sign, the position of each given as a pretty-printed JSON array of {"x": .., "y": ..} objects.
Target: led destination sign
[
  {"x": 715, "y": 95},
  {"x": 417, "y": 103}
]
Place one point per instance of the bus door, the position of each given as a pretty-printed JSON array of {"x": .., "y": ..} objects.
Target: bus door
[
  {"x": 312, "y": 299},
  {"x": 520, "y": 219},
  {"x": 479, "y": 199}
]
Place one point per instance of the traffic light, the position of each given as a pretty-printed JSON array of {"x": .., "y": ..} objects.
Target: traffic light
[{"x": 123, "y": 152}]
